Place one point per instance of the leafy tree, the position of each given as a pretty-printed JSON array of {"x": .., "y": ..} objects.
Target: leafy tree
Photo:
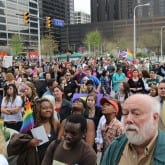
[
  {"x": 93, "y": 40},
  {"x": 16, "y": 44},
  {"x": 48, "y": 46}
]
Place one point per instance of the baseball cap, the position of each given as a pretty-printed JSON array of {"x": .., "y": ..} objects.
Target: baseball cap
[{"x": 110, "y": 101}]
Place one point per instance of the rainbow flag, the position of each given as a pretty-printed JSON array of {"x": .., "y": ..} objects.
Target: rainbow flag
[
  {"x": 130, "y": 55},
  {"x": 28, "y": 120}
]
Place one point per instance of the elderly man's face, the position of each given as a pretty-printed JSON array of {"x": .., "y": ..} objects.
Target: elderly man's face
[
  {"x": 139, "y": 122},
  {"x": 161, "y": 90}
]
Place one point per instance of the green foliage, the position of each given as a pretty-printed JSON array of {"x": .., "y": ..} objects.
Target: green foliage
[
  {"x": 142, "y": 55},
  {"x": 16, "y": 44},
  {"x": 48, "y": 46},
  {"x": 93, "y": 40}
]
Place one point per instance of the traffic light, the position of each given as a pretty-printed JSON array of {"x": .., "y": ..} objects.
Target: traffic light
[
  {"x": 48, "y": 22},
  {"x": 26, "y": 17}
]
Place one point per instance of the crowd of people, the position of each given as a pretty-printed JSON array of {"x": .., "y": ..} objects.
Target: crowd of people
[{"x": 85, "y": 108}]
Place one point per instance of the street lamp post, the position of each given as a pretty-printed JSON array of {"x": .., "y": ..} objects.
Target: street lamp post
[
  {"x": 134, "y": 27},
  {"x": 161, "y": 41},
  {"x": 39, "y": 39}
]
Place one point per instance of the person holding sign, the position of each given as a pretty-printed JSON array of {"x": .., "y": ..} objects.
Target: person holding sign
[{"x": 30, "y": 146}]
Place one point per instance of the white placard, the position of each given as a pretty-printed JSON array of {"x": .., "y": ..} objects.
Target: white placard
[
  {"x": 40, "y": 133},
  {"x": 7, "y": 61}
]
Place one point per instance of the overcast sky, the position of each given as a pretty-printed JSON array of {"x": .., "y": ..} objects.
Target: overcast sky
[{"x": 82, "y": 5}]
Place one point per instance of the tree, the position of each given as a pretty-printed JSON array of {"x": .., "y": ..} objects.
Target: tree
[
  {"x": 94, "y": 41},
  {"x": 16, "y": 44},
  {"x": 48, "y": 46}
]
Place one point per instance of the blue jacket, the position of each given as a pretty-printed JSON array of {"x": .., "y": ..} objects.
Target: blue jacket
[{"x": 113, "y": 153}]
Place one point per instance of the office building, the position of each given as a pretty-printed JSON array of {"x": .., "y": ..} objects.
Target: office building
[
  {"x": 81, "y": 17},
  {"x": 126, "y": 8},
  {"x": 104, "y": 10},
  {"x": 11, "y": 22},
  {"x": 69, "y": 6},
  {"x": 109, "y": 30},
  {"x": 109, "y": 10},
  {"x": 56, "y": 9}
]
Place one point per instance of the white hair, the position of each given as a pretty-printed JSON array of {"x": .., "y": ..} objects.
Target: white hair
[
  {"x": 152, "y": 102},
  {"x": 148, "y": 128}
]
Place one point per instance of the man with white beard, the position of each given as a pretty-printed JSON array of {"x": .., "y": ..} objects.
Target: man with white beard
[{"x": 143, "y": 143}]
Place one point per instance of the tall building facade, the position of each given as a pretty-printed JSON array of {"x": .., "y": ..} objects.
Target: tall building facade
[
  {"x": 156, "y": 8},
  {"x": 108, "y": 10},
  {"x": 104, "y": 10},
  {"x": 56, "y": 9},
  {"x": 11, "y": 22},
  {"x": 69, "y": 6},
  {"x": 81, "y": 18},
  {"x": 111, "y": 29}
]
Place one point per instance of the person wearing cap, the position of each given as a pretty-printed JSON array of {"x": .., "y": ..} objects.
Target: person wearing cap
[
  {"x": 142, "y": 142},
  {"x": 112, "y": 127}
]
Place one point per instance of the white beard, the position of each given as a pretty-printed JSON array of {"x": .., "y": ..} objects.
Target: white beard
[{"x": 138, "y": 136}]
